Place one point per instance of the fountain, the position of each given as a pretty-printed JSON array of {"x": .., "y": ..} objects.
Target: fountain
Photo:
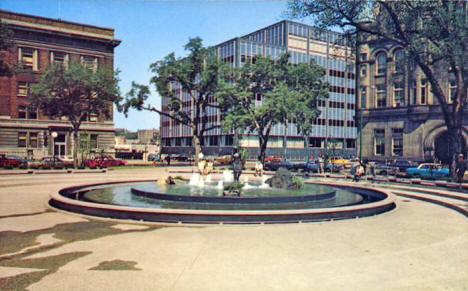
[{"x": 203, "y": 199}]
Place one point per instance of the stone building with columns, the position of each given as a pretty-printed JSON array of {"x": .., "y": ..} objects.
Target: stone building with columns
[
  {"x": 38, "y": 43},
  {"x": 400, "y": 116}
]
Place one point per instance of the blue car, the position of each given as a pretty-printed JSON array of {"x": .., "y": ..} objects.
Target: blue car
[{"x": 428, "y": 171}]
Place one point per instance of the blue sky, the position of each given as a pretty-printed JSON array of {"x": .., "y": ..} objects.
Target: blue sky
[{"x": 150, "y": 30}]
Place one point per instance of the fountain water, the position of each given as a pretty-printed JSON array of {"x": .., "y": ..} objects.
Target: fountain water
[
  {"x": 228, "y": 176},
  {"x": 264, "y": 185}
]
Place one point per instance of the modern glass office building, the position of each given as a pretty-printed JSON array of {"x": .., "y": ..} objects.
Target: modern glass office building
[{"x": 334, "y": 129}]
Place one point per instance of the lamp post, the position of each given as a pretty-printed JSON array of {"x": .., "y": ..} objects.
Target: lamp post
[{"x": 54, "y": 135}]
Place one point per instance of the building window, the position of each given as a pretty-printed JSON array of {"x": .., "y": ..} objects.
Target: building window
[
  {"x": 363, "y": 70},
  {"x": 350, "y": 143},
  {"x": 27, "y": 57},
  {"x": 59, "y": 58},
  {"x": 90, "y": 62},
  {"x": 32, "y": 112},
  {"x": 93, "y": 141},
  {"x": 22, "y": 113},
  {"x": 23, "y": 89},
  {"x": 380, "y": 96},
  {"x": 92, "y": 117},
  {"x": 381, "y": 64},
  {"x": 213, "y": 140},
  {"x": 315, "y": 142},
  {"x": 399, "y": 61},
  {"x": 397, "y": 142},
  {"x": 452, "y": 90},
  {"x": 33, "y": 139},
  {"x": 363, "y": 91},
  {"x": 414, "y": 92},
  {"x": 398, "y": 95},
  {"x": 423, "y": 91},
  {"x": 363, "y": 57},
  {"x": 379, "y": 142},
  {"x": 22, "y": 139}
]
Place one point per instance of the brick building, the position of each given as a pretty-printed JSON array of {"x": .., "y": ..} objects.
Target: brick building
[{"x": 39, "y": 42}]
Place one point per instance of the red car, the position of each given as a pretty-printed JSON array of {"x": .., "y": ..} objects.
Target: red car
[
  {"x": 10, "y": 161},
  {"x": 105, "y": 162},
  {"x": 274, "y": 159},
  {"x": 91, "y": 163}
]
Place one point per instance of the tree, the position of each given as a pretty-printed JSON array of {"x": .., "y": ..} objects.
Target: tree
[
  {"x": 433, "y": 33},
  {"x": 267, "y": 92},
  {"x": 75, "y": 92},
  {"x": 198, "y": 75},
  {"x": 6, "y": 43}
]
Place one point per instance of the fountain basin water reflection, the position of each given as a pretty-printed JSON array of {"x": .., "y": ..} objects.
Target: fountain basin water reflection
[{"x": 186, "y": 196}]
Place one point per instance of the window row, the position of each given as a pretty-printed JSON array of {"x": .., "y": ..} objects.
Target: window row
[
  {"x": 28, "y": 139},
  {"x": 398, "y": 94},
  {"x": 396, "y": 142},
  {"x": 339, "y": 89},
  {"x": 340, "y": 74},
  {"x": 29, "y": 59}
]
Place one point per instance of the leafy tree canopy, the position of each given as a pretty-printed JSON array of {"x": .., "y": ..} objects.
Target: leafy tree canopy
[
  {"x": 267, "y": 92},
  {"x": 433, "y": 34},
  {"x": 75, "y": 92}
]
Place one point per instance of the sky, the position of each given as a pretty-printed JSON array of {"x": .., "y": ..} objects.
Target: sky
[{"x": 150, "y": 30}]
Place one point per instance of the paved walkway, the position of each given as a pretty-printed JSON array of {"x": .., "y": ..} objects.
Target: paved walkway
[{"x": 418, "y": 246}]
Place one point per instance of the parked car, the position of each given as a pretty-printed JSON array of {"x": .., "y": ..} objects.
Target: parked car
[
  {"x": 402, "y": 165},
  {"x": 91, "y": 163},
  {"x": 313, "y": 167},
  {"x": 11, "y": 161},
  {"x": 223, "y": 160},
  {"x": 179, "y": 157},
  {"x": 428, "y": 170},
  {"x": 34, "y": 164},
  {"x": 273, "y": 159},
  {"x": 107, "y": 161},
  {"x": 273, "y": 166},
  {"x": 384, "y": 169},
  {"x": 51, "y": 162},
  {"x": 154, "y": 157},
  {"x": 340, "y": 161}
]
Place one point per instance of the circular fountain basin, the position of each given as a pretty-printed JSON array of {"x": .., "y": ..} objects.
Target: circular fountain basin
[
  {"x": 249, "y": 196},
  {"x": 107, "y": 200}
]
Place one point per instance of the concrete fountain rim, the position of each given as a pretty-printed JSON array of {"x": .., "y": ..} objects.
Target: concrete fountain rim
[{"x": 64, "y": 203}]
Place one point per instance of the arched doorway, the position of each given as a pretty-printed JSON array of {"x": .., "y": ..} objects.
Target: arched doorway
[{"x": 441, "y": 147}]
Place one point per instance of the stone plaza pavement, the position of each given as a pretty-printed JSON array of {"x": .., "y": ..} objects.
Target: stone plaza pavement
[{"x": 417, "y": 246}]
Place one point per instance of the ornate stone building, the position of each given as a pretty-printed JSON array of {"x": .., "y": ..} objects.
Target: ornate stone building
[
  {"x": 39, "y": 42},
  {"x": 400, "y": 116}
]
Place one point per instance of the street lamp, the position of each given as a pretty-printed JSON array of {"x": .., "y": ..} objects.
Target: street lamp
[{"x": 54, "y": 135}]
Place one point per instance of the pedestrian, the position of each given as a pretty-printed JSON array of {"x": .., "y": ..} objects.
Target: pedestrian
[
  {"x": 372, "y": 169},
  {"x": 460, "y": 168},
  {"x": 258, "y": 168},
  {"x": 168, "y": 160},
  {"x": 321, "y": 163}
]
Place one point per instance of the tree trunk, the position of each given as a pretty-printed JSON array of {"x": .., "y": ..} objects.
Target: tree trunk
[
  {"x": 306, "y": 146},
  {"x": 263, "y": 145},
  {"x": 197, "y": 146},
  {"x": 75, "y": 148},
  {"x": 285, "y": 139},
  {"x": 455, "y": 148}
]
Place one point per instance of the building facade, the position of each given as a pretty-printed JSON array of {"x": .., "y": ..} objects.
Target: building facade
[
  {"x": 400, "y": 116},
  {"x": 38, "y": 43},
  {"x": 334, "y": 129}
]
